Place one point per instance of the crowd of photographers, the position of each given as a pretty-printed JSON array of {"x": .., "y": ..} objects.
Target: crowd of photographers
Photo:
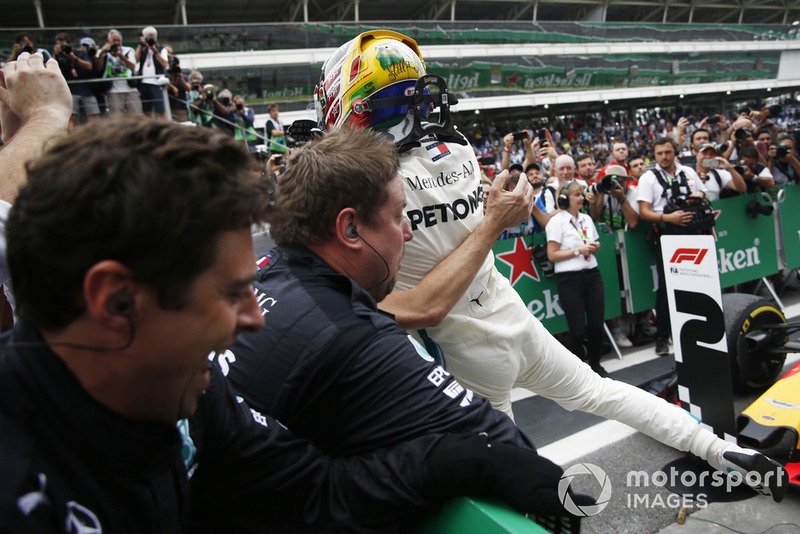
[
  {"x": 114, "y": 78},
  {"x": 713, "y": 155}
]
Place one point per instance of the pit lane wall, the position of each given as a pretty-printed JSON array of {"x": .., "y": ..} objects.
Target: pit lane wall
[{"x": 747, "y": 249}]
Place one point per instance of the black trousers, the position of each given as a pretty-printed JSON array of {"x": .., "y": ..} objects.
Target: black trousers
[
  {"x": 663, "y": 326},
  {"x": 583, "y": 300}
]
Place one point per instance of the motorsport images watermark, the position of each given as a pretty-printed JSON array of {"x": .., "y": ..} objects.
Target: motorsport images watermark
[{"x": 657, "y": 479}]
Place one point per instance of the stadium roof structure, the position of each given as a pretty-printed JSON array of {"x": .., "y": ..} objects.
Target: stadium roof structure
[{"x": 104, "y": 13}]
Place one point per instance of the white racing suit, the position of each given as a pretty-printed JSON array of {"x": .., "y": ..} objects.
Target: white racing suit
[{"x": 490, "y": 341}]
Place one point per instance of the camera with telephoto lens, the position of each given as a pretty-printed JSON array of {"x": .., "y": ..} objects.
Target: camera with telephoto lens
[
  {"x": 27, "y": 48},
  {"x": 782, "y": 151},
  {"x": 741, "y": 134},
  {"x": 114, "y": 48},
  {"x": 712, "y": 120},
  {"x": 150, "y": 41},
  {"x": 225, "y": 101},
  {"x": 607, "y": 183},
  {"x": 66, "y": 49},
  {"x": 174, "y": 65},
  {"x": 239, "y": 106},
  {"x": 195, "y": 86}
]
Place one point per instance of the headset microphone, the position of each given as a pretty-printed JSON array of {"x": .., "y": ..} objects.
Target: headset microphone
[
  {"x": 385, "y": 263},
  {"x": 352, "y": 233}
]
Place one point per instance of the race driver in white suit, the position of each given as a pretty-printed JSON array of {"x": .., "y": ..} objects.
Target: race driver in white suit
[{"x": 448, "y": 284}]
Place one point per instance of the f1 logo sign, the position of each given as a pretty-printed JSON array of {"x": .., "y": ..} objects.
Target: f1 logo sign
[{"x": 695, "y": 255}]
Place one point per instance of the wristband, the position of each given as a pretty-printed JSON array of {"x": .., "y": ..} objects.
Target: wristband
[{"x": 577, "y": 252}]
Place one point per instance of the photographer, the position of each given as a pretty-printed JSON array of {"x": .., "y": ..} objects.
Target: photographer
[
  {"x": 756, "y": 175},
  {"x": 24, "y": 43},
  {"x": 613, "y": 199},
  {"x": 720, "y": 178},
  {"x": 783, "y": 162},
  {"x": 668, "y": 179},
  {"x": 178, "y": 87},
  {"x": 202, "y": 99},
  {"x": 153, "y": 62},
  {"x": 117, "y": 62},
  {"x": 75, "y": 64},
  {"x": 243, "y": 117}
]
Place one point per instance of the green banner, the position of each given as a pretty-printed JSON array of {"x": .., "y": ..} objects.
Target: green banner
[
  {"x": 746, "y": 247},
  {"x": 790, "y": 225},
  {"x": 539, "y": 292}
]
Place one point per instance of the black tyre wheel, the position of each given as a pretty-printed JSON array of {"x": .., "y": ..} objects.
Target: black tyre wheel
[{"x": 751, "y": 370}]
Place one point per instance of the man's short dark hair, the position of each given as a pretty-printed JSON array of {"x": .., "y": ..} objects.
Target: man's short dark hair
[
  {"x": 271, "y": 107},
  {"x": 748, "y": 152},
  {"x": 691, "y": 140},
  {"x": 64, "y": 36},
  {"x": 582, "y": 156},
  {"x": 346, "y": 168},
  {"x": 664, "y": 140},
  {"x": 18, "y": 38},
  {"x": 153, "y": 195}
]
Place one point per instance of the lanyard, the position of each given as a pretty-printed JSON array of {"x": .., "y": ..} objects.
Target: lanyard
[{"x": 584, "y": 235}]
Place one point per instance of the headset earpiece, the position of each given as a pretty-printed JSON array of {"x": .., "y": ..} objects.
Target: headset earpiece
[
  {"x": 120, "y": 304},
  {"x": 563, "y": 201},
  {"x": 351, "y": 232}
]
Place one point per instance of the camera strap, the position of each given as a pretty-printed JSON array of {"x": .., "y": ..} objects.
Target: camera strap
[{"x": 674, "y": 188}]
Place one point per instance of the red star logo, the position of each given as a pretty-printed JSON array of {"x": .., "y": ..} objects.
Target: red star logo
[
  {"x": 713, "y": 228},
  {"x": 513, "y": 80},
  {"x": 520, "y": 261}
]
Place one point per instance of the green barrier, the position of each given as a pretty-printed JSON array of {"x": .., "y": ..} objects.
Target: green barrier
[
  {"x": 539, "y": 292},
  {"x": 790, "y": 224},
  {"x": 746, "y": 247},
  {"x": 464, "y": 515},
  {"x": 640, "y": 276}
]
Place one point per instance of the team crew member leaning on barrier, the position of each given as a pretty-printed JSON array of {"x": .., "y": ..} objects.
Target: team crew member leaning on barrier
[
  {"x": 326, "y": 356},
  {"x": 490, "y": 341},
  {"x": 572, "y": 243}
]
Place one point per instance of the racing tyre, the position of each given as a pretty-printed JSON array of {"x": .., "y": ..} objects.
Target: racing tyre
[{"x": 751, "y": 370}]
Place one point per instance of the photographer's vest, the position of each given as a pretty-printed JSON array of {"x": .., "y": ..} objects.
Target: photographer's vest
[
  {"x": 159, "y": 68},
  {"x": 674, "y": 186},
  {"x": 276, "y": 144},
  {"x": 244, "y": 131},
  {"x": 615, "y": 219},
  {"x": 108, "y": 70}
]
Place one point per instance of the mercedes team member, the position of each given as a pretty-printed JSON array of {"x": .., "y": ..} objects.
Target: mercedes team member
[
  {"x": 327, "y": 362},
  {"x": 490, "y": 341}
]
